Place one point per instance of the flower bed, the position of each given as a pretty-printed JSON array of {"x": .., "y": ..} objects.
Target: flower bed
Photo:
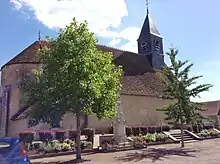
[
  {"x": 144, "y": 140},
  {"x": 207, "y": 134},
  {"x": 140, "y": 141},
  {"x": 56, "y": 146}
]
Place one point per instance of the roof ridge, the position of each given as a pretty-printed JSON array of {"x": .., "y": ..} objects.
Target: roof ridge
[
  {"x": 109, "y": 47},
  {"x": 117, "y": 48},
  {"x": 43, "y": 42}
]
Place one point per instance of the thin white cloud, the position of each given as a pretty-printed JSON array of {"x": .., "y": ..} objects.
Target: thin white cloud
[
  {"x": 16, "y": 4},
  {"x": 130, "y": 46},
  {"x": 100, "y": 14},
  {"x": 115, "y": 42},
  {"x": 130, "y": 33}
]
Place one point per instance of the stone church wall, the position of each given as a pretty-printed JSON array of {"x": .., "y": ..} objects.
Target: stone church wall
[
  {"x": 10, "y": 76},
  {"x": 138, "y": 110}
]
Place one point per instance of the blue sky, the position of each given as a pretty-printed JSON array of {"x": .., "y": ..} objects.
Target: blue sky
[{"x": 191, "y": 26}]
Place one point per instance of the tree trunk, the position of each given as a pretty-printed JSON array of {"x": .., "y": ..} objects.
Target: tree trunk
[
  {"x": 182, "y": 133},
  {"x": 85, "y": 121},
  {"x": 78, "y": 143}
]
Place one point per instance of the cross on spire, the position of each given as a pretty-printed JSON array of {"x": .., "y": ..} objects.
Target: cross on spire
[
  {"x": 147, "y": 6},
  {"x": 39, "y": 36}
]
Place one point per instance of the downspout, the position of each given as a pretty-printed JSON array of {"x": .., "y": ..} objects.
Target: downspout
[{"x": 8, "y": 90}]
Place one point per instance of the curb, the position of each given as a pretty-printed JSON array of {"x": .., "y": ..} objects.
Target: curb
[{"x": 90, "y": 151}]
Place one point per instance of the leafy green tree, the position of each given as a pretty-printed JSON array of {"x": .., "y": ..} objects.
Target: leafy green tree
[
  {"x": 75, "y": 77},
  {"x": 180, "y": 88}
]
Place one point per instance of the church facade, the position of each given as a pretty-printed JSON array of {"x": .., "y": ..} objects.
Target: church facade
[{"x": 142, "y": 85}]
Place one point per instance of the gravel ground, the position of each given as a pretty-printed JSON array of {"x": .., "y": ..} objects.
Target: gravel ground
[{"x": 201, "y": 152}]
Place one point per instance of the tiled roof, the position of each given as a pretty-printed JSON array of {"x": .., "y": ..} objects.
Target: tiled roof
[
  {"x": 28, "y": 55},
  {"x": 139, "y": 76},
  {"x": 213, "y": 108}
]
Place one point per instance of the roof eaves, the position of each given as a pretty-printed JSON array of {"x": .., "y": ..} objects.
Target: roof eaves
[
  {"x": 21, "y": 53},
  {"x": 156, "y": 35}
]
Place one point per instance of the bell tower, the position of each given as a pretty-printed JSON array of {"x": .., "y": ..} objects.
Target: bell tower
[{"x": 150, "y": 43}]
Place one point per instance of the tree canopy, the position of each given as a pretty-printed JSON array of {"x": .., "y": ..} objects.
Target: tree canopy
[
  {"x": 181, "y": 88},
  {"x": 74, "y": 77}
]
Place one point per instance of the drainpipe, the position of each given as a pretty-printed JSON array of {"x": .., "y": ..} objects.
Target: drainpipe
[{"x": 8, "y": 98}]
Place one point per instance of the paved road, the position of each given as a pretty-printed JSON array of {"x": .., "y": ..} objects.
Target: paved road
[{"x": 201, "y": 152}]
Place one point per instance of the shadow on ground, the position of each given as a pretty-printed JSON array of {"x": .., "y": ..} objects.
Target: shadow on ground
[
  {"x": 155, "y": 154},
  {"x": 84, "y": 161}
]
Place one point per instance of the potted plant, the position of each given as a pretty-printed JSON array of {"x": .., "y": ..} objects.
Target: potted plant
[
  {"x": 166, "y": 128},
  {"x": 150, "y": 138},
  {"x": 139, "y": 142},
  {"x": 214, "y": 133},
  {"x": 128, "y": 131}
]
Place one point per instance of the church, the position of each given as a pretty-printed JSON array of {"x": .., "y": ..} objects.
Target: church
[{"x": 142, "y": 85}]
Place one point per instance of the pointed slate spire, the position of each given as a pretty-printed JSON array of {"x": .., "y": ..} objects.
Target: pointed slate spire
[
  {"x": 150, "y": 42},
  {"x": 149, "y": 27}
]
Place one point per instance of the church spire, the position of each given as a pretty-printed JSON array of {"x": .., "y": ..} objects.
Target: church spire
[
  {"x": 150, "y": 42},
  {"x": 149, "y": 27}
]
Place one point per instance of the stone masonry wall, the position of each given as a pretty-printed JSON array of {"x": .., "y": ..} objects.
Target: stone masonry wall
[{"x": 138, "y": 110}]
